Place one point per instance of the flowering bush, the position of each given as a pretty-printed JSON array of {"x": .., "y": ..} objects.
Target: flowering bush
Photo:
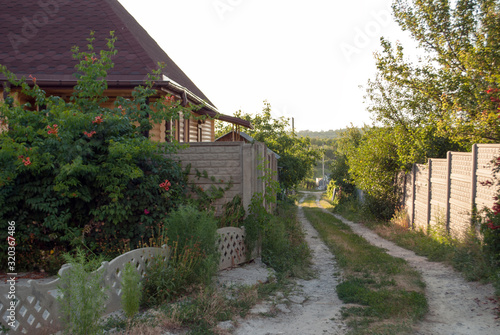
[{"x": 76, "y": 172}]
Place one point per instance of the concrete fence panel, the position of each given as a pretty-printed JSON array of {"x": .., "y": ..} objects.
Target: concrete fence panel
[{"x": 450, "y": 190}]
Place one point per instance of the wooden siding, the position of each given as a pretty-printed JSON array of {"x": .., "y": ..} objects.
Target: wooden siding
[{"x": 157, "y": 133}]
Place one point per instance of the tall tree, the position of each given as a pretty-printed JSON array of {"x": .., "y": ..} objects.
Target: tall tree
[{"x": 449, "y": 98}]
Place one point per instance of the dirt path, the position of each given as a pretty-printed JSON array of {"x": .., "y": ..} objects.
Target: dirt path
[
  {"x": 456, "y": 307},
  {"x": 313, "y": 309}
]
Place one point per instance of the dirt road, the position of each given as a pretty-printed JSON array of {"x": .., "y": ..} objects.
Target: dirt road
[
  {"x": 314, "y": 308},
  {"x": 456, "y": 307}
]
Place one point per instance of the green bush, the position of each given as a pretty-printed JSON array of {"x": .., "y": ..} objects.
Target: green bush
[
  {"x": 190, "y": 227},
  {"x": 168, "y": 278},
  {"x": 83, "y": 298},
  {"x": 73, "y": 172}
]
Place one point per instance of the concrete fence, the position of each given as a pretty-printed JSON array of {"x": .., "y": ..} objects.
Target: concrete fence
[
  {"x": 36, "y": 310},
  {"x": 449, "y": 190},
  {"x": 244, "y": 164}
]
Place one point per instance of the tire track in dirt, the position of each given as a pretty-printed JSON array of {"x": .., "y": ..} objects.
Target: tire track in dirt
[{"x": 456, "y": 307}]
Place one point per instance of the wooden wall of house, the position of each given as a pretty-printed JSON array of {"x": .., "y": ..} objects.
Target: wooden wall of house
[{"x": 182, "y": 128}]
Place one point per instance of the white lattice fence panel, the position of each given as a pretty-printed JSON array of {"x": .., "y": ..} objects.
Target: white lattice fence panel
[
  {"x": 231, "y": 247},
  {"x": 113, "y": 270},
  {"x": 37, "y": 310}
]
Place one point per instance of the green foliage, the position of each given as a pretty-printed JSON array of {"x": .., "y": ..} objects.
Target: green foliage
[
  {"x": 447, "y": 99},
  {"x": 72, "y": 172},
  {"x": 192, "y": 238},
  {"x": 259, "y": 216},
  {"x": 234, "y": 213},
  {"x": 131, "y": 290},
  {"x": 192, "y": 228},
  {"x": 168, "y": 278},
  {"x": 344, "y": 146},
  {"x": 83, "y": 298},
  {"x": 204, "y": 199},
  {"x": 283, "y": 246},
  {"x": 318, "y": 137}
]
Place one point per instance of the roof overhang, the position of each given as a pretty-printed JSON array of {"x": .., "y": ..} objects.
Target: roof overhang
[{"x": 164, "y": 85}]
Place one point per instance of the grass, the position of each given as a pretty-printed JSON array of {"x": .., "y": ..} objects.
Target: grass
[
  {"x": 385, "y": 295},
  {"x": 464, "y": 255}
]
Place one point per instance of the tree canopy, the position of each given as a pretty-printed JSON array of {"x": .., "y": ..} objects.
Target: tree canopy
[
  {"x": 297, "y": 157},
  {"x": 446, "y": 99},
  {"x": 449, "y": 97}
]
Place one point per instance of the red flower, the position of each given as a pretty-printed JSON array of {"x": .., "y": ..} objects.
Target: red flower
[
  {"x": 169, "y": 99},
  {"x": 93, "y": 59},
  {"x": 33, "y": 78},
  {"x": 98, "y": 119},
  {"x": 26, "y": 161},
  {"x": 89, "y": 135},
  {"x": 166, "y": 185},
  {"x": 52, "y": 130}
]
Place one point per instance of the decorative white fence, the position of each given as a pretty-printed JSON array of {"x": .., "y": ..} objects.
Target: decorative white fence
[{"x": 37, "y": 311}]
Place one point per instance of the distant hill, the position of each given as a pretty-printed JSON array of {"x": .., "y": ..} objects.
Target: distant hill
[{"x": 324, "y": 134}]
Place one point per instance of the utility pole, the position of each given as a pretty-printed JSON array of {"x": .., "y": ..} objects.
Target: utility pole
[{"x": 324, "y": 180}]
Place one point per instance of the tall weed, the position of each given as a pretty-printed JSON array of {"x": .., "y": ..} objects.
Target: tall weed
[
  {"x": 194, "y": 232},
  {"x": 131, "y": 290},
  {"x": 83, "y": 297}
]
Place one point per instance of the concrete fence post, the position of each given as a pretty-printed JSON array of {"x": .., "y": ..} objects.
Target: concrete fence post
[
  {"x": 473, "y": 181},
  {"x": 429, "y": 190},
  {"x": 413, "y": 191},
  {"x": 448, "y": 190}
]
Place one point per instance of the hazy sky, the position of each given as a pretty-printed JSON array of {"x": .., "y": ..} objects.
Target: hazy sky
[{"x": 307, "y": 58}]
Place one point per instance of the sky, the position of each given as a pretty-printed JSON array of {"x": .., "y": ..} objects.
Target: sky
[{"x": 306, "y": 58}]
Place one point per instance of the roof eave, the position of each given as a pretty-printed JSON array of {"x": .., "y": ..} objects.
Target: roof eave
[{"x": 207, "y": 109}]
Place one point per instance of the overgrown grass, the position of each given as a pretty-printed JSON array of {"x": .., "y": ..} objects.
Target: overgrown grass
[
  {"x": 464, "y": 255},
  {"x": 283, "y": 245},
  {"x": 202, "y": 306},
  {"x": 386, "y": 294}
]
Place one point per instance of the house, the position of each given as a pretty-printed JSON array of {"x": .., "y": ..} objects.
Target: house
[{"x": 37, "y": 37}]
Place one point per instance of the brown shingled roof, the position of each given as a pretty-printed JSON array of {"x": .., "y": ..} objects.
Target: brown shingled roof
[{"x": 37, "y": 36}]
